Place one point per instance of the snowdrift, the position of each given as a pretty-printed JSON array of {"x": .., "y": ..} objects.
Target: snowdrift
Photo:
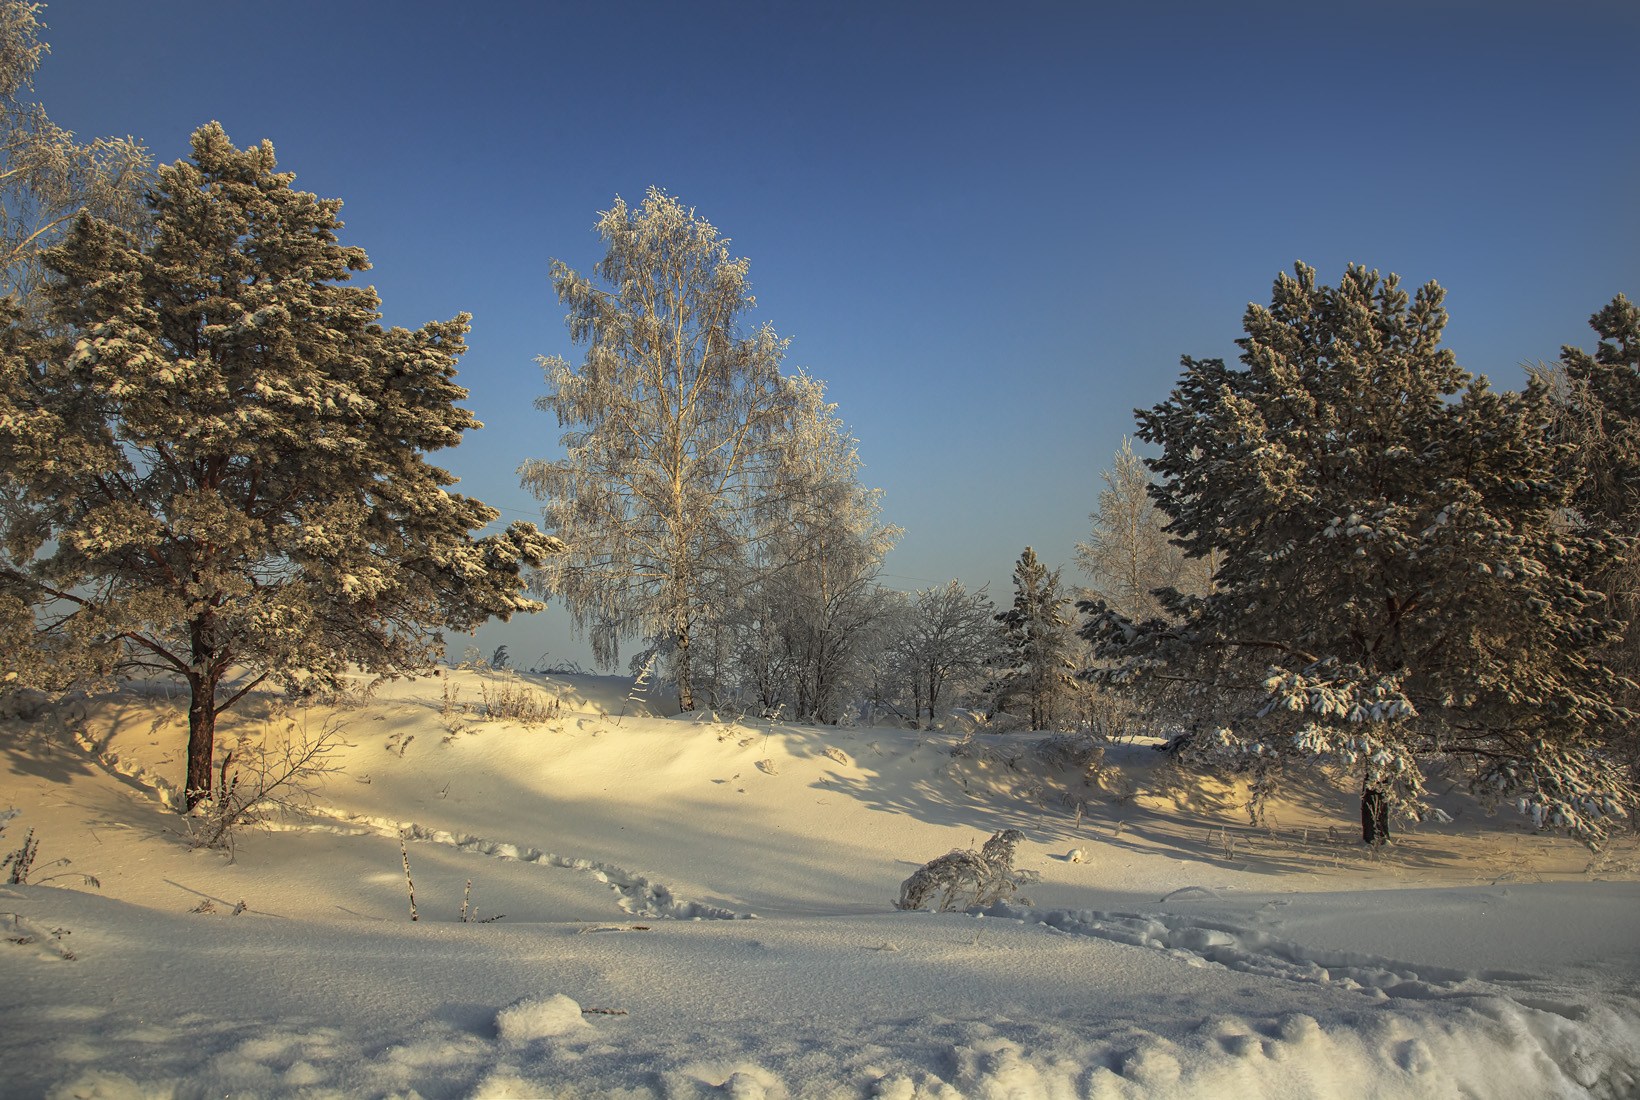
[{"x": 681, "y": 906}]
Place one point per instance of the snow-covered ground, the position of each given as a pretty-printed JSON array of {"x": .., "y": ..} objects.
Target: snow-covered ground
[{"x": 704, "y": 907}]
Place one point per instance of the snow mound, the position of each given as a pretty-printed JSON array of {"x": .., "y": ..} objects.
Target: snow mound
[{"x": 539, "y": 1019}]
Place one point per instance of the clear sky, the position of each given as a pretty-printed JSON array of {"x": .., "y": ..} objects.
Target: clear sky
[{"x": 992, "y": 229}]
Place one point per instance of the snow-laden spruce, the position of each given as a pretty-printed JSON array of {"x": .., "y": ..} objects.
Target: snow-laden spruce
[
  {"x": 1399, "y": 578},
  {"x": 1597, "y": 413},
  {"x": 1036, "y": 642}
]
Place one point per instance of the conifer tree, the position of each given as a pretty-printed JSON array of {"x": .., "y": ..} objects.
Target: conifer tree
[
  {"x": 1598, "y": 398},
  {"x": 1605, "y": 394},
  {"x": 1396, "y": 580},
  {"x": 220, "y": 471},
  {"x": 1037, "y": 644}
]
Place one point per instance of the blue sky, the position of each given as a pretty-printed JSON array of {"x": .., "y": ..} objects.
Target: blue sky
[{"x": 992, "y": 229}]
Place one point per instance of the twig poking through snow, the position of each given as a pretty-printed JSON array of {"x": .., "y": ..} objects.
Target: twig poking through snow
[{"x": 408, "y": 885}]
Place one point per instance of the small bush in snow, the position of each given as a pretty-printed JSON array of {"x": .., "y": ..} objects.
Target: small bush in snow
[
  {"x": 1069, "y": 752},
  {"x": 963, "y": 878},
  {"x": 21, "y": 862},
  {"x": 258, "y": 781}
]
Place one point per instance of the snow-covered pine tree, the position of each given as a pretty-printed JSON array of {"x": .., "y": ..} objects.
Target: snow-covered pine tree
[
  {"x": 1037, "y": 643},
  {"x": 676, "y": 418},
  {"x": 1598, "y": 399},
  {"x": 221, "y": 468},
  {"x": 1605, "y": 399},
  {"x": 1396, "y": 580}
]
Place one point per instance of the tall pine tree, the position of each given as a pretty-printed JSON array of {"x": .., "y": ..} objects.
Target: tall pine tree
[
  {"x": 1599, "y": 406},
  {"x": 1396, "y": 579},
  {"x": 220, "y": 473}
]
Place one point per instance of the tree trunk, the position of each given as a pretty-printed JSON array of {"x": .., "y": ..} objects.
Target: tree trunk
[
  {"x": 201, "y": 738},
  {"x": 686, "y": 691},
  {"x": 1374, "y": 816}
]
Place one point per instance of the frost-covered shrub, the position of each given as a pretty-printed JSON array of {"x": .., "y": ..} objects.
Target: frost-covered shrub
[
  {"x": 1069, "y": 752},
  {"x": 513, "y": 702},
  {"x": 21, "y": 860},
  {"x": 963, "y": 877},
  {"x": 260, "y": 781}
]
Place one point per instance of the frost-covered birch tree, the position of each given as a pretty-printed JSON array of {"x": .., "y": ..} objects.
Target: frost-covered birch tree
[
  {"x": 677, "y": 418},
  {"x": 1396, "y": 581},
  {"x": 47, "y": 177},
  {"x": 1128, "y": 556},
  {"x": 946, "y": 640},
  {"x": 219, "y": 471},
  {"x": 815, "y": 600}
]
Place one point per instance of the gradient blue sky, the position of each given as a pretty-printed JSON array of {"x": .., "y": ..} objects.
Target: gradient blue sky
[{"x": 992, "y": 229}]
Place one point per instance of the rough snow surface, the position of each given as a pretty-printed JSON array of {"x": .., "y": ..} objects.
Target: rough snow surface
[{"x": 1172, "y": 952}]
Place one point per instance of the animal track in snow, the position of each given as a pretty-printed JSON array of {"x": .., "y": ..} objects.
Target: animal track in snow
[
  {"x": 638, "y": 894},
  {"x": 1203, "y": 942}
]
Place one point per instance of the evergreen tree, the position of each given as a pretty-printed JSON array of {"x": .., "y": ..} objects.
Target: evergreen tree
[
  {"x": 1605, "y": 399},
  {"x": 1598, "y": 398},
  {"x": 220, "y": 471},
  {"x": 1395, "y": 580},
  {"x": 1037, "y": 644},
  {"x": 677, "y": 420}
]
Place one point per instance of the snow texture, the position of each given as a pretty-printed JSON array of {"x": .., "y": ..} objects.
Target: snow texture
[{"x": 1185, "y": 955}]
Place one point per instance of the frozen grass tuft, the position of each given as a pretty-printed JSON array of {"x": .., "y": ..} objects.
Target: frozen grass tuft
[{"x": 963, "y": 878}]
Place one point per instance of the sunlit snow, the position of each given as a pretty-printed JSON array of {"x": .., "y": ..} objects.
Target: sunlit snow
[{"x": 703, "y": 906}]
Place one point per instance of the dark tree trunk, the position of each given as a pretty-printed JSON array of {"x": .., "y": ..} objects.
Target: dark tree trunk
[
  {"x": 1374, "y": 816},
  {"x": 201, "y": 738}
]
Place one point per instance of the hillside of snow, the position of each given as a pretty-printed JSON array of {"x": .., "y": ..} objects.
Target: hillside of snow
[{"x": 694, "y": 906}]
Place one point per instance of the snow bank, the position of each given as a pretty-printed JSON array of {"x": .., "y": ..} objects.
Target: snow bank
[{"x": 1175, "y": 953}]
